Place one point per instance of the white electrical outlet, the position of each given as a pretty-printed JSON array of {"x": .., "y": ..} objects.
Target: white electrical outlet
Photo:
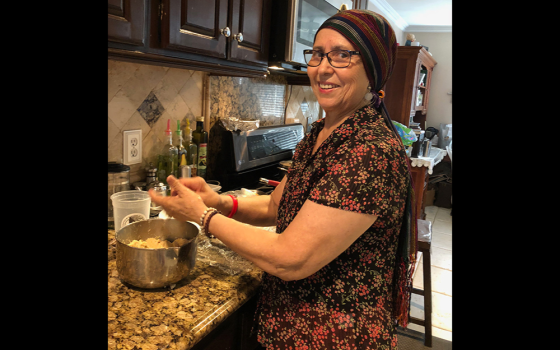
[{"x": 132, "y": 146}]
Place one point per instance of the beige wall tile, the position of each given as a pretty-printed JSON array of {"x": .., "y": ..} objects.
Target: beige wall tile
[
  {"x": 118, "y": 75},
  {"x": 178, "y": 77},
  {"x": 112, "y": 131},
  {"x": 115, "y": 153},
  {"x": 191, "y": 94},
  {"x": 144, "y": 80},
  {"x": 120, "y": 109}
]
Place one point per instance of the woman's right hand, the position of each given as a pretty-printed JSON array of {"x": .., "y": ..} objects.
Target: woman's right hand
[{"x": 198, "y": 185}]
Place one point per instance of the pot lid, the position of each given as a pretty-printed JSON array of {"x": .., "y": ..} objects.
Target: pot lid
[{"x": 114, "y": 167}]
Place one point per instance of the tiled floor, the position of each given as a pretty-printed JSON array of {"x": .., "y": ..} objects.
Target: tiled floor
[{"x": 441, "y": 276}]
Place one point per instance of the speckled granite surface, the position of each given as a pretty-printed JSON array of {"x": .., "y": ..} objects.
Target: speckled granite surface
[{"x": 152, "y": 319}]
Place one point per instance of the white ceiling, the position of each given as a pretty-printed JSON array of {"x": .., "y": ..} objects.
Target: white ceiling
[{"x": 417, "y": 15}]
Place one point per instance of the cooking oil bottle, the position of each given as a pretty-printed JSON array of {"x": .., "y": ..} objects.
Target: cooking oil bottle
[
  {"x": 200, "y": 138},
  {"x": 191, "y": 148},
  {"x": 168, "y": 158},
  {"x": 181, "y": 151}
]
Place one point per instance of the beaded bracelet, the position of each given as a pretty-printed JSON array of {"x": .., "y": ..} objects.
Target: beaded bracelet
[
  {"x": 214, "y": 212},
  {"x": 203, "y": 217}
]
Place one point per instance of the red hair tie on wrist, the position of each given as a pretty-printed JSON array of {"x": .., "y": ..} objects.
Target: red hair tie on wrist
[{"x": 234, "y": 209}]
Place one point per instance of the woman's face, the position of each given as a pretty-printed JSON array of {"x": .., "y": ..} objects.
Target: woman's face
[{"x": 339, "y": 91}]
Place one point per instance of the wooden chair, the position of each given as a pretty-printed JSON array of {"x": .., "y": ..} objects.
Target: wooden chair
[{"x": 424, "y": 246}]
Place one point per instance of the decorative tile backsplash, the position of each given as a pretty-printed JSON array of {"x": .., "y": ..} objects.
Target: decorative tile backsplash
[
  {"x": 151, "y": 109},
  {"x": 144, "y": 97}
]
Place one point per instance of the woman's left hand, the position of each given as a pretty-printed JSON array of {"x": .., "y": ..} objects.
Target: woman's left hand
[{"x": 183, "y": 205}]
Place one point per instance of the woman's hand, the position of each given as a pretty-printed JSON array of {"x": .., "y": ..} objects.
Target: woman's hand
[
  {"x": 183, "y": 204},
  {"x": 198, "y": 185}
]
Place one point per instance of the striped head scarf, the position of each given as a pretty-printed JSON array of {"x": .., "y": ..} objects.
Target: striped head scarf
[{"x": 372, "y": 35}]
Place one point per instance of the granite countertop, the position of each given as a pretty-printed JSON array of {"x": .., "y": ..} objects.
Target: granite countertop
[{"x": 177, "y": 317}]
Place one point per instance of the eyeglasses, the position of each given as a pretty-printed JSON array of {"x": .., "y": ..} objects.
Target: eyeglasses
[{"x": 336, "y": 58}]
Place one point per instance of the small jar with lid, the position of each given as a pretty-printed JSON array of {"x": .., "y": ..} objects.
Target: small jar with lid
[
  {"x": 151, "y": 174},
  {"x": 161, "y": 190}
]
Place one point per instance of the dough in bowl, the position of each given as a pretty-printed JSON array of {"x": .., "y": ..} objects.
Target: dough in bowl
[{"x": 155, "y": 243}]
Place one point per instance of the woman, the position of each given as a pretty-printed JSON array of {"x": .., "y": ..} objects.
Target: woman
[{"x": 337, "y": 272}]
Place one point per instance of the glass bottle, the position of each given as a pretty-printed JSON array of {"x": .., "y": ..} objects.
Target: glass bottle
[
  {"x": 181, "y": 151},
  {"x": 168, "y": 158},
  {"x": 192, "y": 149},
  {"x": 200, "y": 139}
]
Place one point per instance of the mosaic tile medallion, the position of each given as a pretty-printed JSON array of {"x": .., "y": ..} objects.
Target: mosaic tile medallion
[{"x": 151, "y": 109}]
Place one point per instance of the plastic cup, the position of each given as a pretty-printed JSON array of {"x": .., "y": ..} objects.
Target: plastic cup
[{"x": 129, "y": 207}]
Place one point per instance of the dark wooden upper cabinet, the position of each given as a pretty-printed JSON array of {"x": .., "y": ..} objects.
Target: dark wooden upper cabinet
[
  {"x": 195, "y": 26},
  {"x": 250, "y": 33},
  {"x": 126, "y": 21},
  {"x": 228, "y": 37}
]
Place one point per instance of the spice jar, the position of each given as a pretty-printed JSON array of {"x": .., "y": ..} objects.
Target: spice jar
[
  {"x": 161, "y": 190},
  {"x": 151, "y": 174}
]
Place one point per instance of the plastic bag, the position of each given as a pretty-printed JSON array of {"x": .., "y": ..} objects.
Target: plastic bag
[
  {"x": 214, "y": 253},
  {"x": 407, "y": 135}
]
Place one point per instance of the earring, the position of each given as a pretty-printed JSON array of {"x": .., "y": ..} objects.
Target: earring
[{"x": 368, "y": 96}]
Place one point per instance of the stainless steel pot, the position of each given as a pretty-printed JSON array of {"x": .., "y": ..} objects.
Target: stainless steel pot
[{"x": 155, "y": 268}]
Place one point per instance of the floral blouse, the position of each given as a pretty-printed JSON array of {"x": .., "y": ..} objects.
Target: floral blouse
[{"x": 347, "y": 304}]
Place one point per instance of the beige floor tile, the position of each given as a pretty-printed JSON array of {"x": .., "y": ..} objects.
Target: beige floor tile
[
  {"x": 417, "y": 328},
  {"x": 430, "y": 217},
  {"x": 441, "y": 333},
  {"x": 417, "y": 306},
  {"x": 441, "y": 240},
  {"x": 418, "y": 262},
  {"x": 441, "y": 311},
  {"x": 441, "y": 281},
  {"x": 432, "y": 209},
  {"x": 441, "y": 315},
  {"x": 418, "y": 280},
  {"x": 443, "y": 214},
  {"x": 436, "y": 332},
  {"x": 441, "y": 258},
  {"x": 441, "y": 226}
]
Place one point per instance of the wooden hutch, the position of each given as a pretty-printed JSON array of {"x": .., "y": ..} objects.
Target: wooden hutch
[{"x": 407, "y": 94}]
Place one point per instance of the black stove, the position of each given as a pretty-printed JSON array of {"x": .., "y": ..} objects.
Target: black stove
[{"x": 240, "y": 159}]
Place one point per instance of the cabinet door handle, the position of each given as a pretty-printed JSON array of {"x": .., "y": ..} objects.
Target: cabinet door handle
[
  {"x": 238, "y": 37},
  {"x": 225, "y": 32}
]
